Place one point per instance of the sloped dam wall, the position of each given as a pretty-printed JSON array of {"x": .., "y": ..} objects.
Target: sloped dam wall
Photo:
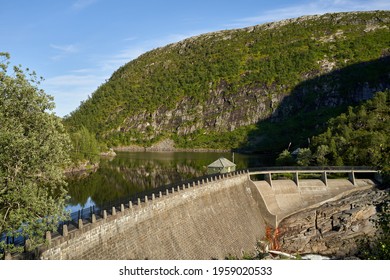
[
  {"x": 222, "y": 217},
  {"x": 208, "y": 221}
]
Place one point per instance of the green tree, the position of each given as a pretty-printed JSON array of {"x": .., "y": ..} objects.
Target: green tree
[
  {"x": 379, "y": 247},
  {"x": 34, "y": 148},
  {"x": 304, "y": 157},
  {"x": 85, "y": 146},
  {"x": 320, "y": 155},
  {"x": 358, "y": 137},
  {"x": 285, "y": 158}
]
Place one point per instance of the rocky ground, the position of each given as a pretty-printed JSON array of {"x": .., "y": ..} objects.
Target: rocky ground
[{"x": 334, "y": 229}]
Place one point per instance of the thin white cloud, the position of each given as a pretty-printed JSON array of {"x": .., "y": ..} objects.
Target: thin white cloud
[
  {"x": 82, "y": 4},
  {"x": 83, "y": 70},
  {"x": 72, "y": 80},
  {"x": 312, "y": 8},
  {"x": 129, "y": 39},
  {"x": 176, "y": 37},
  {"x": 65, "y": 48},
  {"x": 69, "y": 90},
  {"x": 61, "y": 51},
  {"x": 113, "y": 62},
  {"x": 68, "y": 100}
]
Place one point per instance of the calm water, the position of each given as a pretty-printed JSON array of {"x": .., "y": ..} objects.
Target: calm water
[{"x": 130, "y": 173}]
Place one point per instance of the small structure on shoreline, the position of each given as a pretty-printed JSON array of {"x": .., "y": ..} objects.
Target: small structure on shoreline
[{"x": 221, "y": 165}]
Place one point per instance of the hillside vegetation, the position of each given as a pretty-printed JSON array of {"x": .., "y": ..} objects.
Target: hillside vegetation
[
  {"x": 361, "y": 136},
  {"x": 257, "y": 88}
]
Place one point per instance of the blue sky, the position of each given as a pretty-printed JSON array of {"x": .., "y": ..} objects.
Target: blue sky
[{"x": 77, "y": 44}]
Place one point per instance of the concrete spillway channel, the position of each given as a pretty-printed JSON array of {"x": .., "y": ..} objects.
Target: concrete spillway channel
[{"x": 284, "y": 197}]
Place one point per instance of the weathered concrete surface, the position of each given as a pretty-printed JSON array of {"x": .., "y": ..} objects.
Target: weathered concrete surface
[
  {"x": 210, "y": 221},
  {"x": 216, "y": 219},
  {"x": 286, "y": 198},
  {"x": 333, "y": 228}
]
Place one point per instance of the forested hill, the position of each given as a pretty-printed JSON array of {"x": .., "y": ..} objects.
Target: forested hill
[{"x": 259, "y": 88}]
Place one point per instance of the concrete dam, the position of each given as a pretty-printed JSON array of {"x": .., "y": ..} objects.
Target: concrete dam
[{"x": 209, "y": 219}]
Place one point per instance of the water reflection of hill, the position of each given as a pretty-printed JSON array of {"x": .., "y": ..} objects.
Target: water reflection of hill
[
  {"x": 123, "y": 178},
  {"x": 130, "y": 173}
]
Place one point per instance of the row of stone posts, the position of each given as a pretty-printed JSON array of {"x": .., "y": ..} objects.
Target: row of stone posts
[
  {"x": 65, "y": 232},
  {"x": 80, "y": 224}
]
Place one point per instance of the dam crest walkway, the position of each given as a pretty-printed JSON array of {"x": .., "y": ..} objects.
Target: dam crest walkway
[{"x": 288, "y": 190}]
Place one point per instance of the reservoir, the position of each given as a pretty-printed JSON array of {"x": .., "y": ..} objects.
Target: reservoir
[{"x": 129, "y": 173}]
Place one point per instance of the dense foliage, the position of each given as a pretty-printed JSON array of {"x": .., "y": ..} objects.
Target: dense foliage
[
  {"x": 277, "y": 58},
  {"x": 85, "y": 147},
  {"x": 361, "y": 136},
  {"x": 34, "y": 148},
  {"x": 379, "y": 247}
]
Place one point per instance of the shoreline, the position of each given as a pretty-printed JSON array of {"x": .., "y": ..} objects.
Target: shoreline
[
  {"x": 166, "y": 145},
  {"x": 150, "y": 149},
  {"x": 82, "y": 168}
]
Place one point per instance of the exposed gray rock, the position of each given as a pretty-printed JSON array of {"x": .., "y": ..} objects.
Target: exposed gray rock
[{"x": 335, "y": 228}]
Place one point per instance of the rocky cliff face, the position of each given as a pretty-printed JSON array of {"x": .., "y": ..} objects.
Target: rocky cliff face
[
  {"x": 334, "y": 228},
  {"x": 221, "y": 113},
  {"x": 248, "y": 106},
  {"x": 216, "y": 83}
]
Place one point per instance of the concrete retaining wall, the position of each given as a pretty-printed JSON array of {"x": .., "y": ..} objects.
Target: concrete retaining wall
[
  {"x": 211, "y": 219},
  {"x": 285, "y": 197},
  {"x": 203, "y": 222}
]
